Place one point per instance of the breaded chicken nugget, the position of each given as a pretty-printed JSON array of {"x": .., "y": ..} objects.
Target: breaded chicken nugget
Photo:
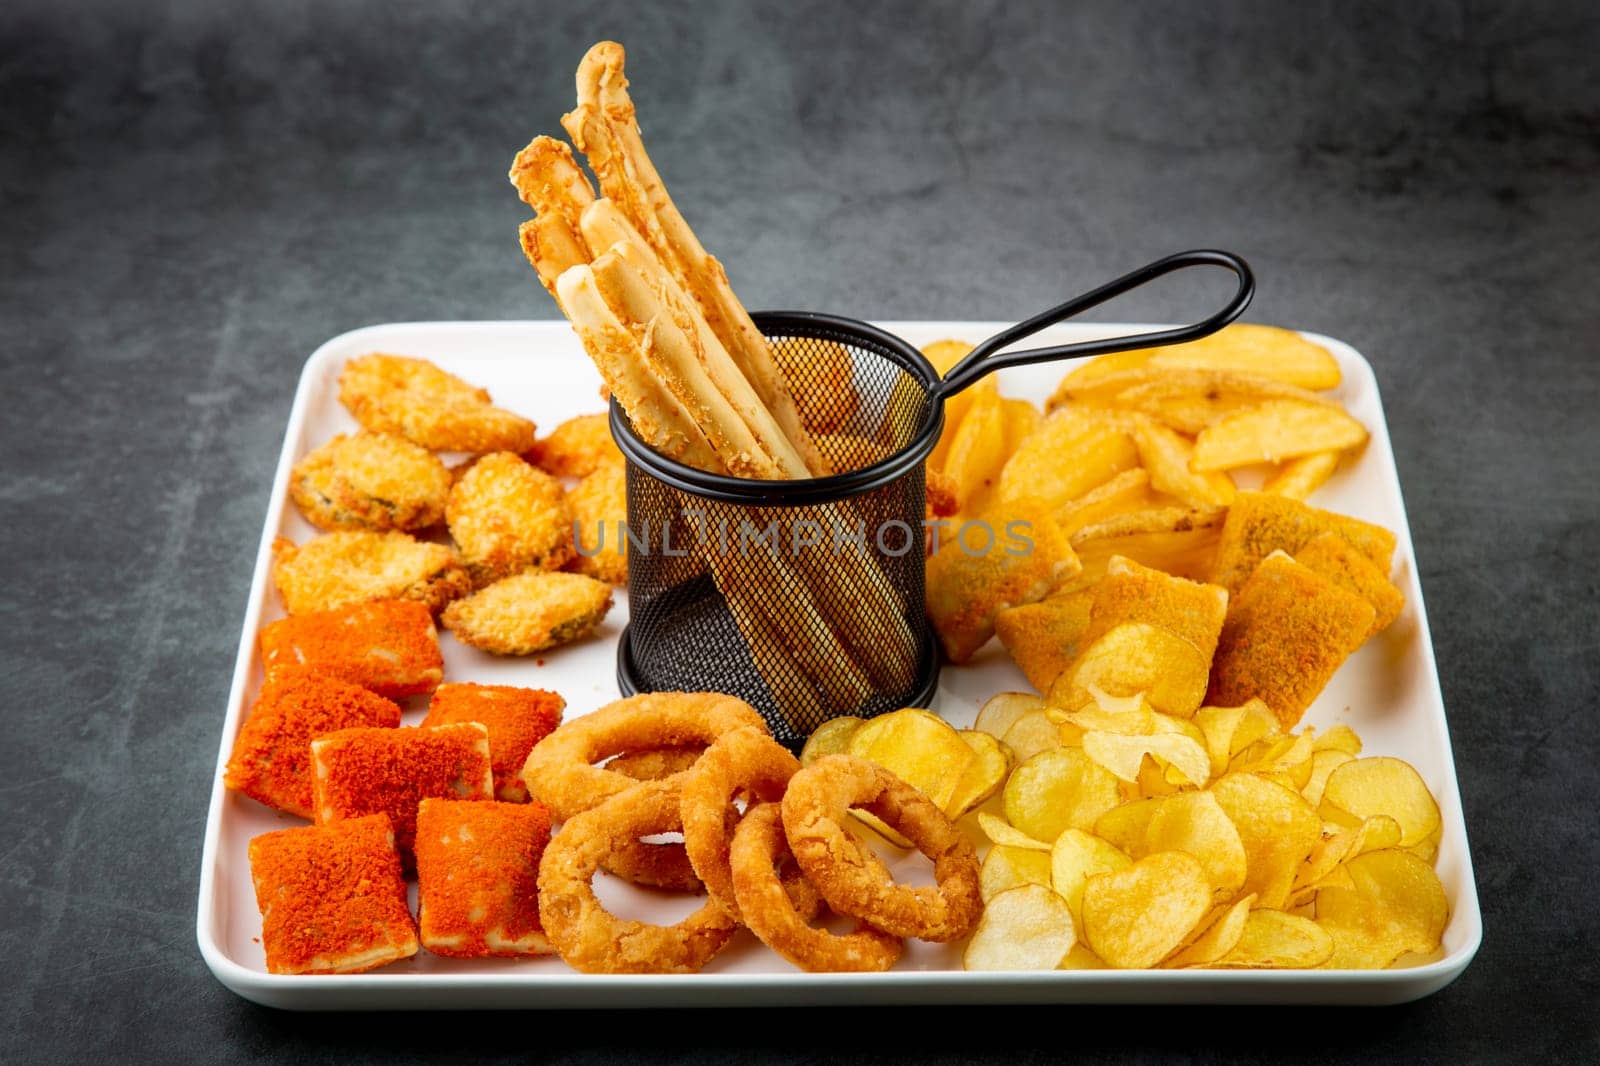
[
  {"x": 599, "y": 511},
  {"x": 414, "y": 398},
  {"x": 529, "y": 612},
  {"x": 576, "y": 448},
  {"x": 336, "y": 569},
  {"x": 507, "y": 516},
  {"x": 372, "y": 481}
]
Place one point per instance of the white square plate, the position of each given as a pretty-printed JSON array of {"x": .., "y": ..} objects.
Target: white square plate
[{"x": 1388, "y": 692}]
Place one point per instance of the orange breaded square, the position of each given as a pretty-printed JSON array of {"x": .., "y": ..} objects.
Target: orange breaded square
[
  {"x": 357, "y": 772},
  {"x": 271, "y": 760},
  {"x": 1260, "y": 523},
  {"x": 1131, "y": 592},
  {"x": 332, "y": 897},
  {"x": 1288, "y": 629},
  {"x": 388, "y": 646},
  {"x": 1332, "y": 556},
  {"x": 1043, "y": 638},
  {"x": 478, "y": 877},
  {"x": 517, "y": 719}
]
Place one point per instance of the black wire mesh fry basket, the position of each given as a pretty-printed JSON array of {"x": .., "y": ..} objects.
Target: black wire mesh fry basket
[{"x": 805, "y": 597}]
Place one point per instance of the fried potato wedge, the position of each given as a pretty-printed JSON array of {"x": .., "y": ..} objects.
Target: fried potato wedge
[
  {"x": 1274, "y": 431},
  {"x": 1191, "y": 399},
  {"x": 1299, "y": 478},
  {"x": 1281, "y": 354},
  {"x": 1071, "y": 453},
  {"x": 1169, "y": 457},
  {"x": 1176, "y": 540}
]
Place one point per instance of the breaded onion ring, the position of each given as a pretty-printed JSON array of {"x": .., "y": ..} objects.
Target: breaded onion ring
[
  {"x": 560, "y": 773},
  {"x": 584, "y": 933},
  {"x": 851, "y": 879},
  {"x": 655, "y": 764},
  {"x": 758, "y": 847},
  {"x": 746, "y": 761}
]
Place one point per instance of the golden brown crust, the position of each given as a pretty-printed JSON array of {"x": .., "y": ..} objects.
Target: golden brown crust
[
  {"x": 374, "y": 481},
  {"x": 1260, "y": 523},
  {"x": 507, "y": 516},
  {"x": 599, "y": 511},
  {"x": 529, "y": 612},
  {"x": 412, "y": 397},
  {"x": 577, "y": 447},
  {"x": 337, "y": 569}
]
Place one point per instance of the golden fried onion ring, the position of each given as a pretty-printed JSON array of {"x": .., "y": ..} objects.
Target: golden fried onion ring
[
  {"x": 746, "y": 761},
  {"x": 851, "y": 879},
  {"x": 584, "y": 933}
]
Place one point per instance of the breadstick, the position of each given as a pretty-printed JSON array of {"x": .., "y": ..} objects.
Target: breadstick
[
  {"x": 657, "y": 416},
  {"x": 551, "y": 247},
  {"x": 603, "y": 126},
  {"x": 718, "y": 397},
  {"x": 550, "y": 181}
]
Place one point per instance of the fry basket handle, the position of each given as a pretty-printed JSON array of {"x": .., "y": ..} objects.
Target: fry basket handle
[{"x": 983, "y": 360}]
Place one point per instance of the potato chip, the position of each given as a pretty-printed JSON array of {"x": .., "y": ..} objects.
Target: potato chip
[
  {"x": 1124, "y": 826},
  {"x": 1032, "y": 733},
  {"x": 1277, "y": 827},
  {"x": 1217, "y": 936},
  {"x": 1134, "y": 917},
  {"x": 1340, "y": 738},
  {"x": 1275, "y": 940},
  {"x": 1397, "y": 905},
  {"x": 1123, "y": 755},
  {"x": 1135, "y": 658},
  {"x": 1076, "y": 857},
  {"x": 1299, "y": 478},
  {"x": 1229, "y": 730},
  {"x": 1005, "y": 868},
  {"x": 1280, "y": 354},
  {"x": 1361, "y": 788},
  {"x": 983, "y": 776},
  {"x": 1056, "y": 790},
  {"x": 1374, "y": 834},
  {"x": 830, "y": 738},
  {"x": 1001, "y": 710},
  {"x": 1023, "y": 928},
  {"x": 1289, "y": 757},
  {"x": 1169, "y": 457},
  {"x": 919, "y": 748},
  {"x": 1195, "y": 823},
  {"x": 1274, "y": 431},
  {"x": 1004, "y": 833},
  {"x": 1081, "y": 958},
  {"x": 1137, "y": 722},
  {"x": 1322, "y": 764}
]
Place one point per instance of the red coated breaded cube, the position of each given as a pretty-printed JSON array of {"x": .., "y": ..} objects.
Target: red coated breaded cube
[
  {"x": 271, "y": 760},
  {"x": 478, "y": 877},
  {"x": 332, "y": 897},
  {"x": 389, "y": 646},
  {"x": 356, "y": 772},
  {"x": 517, "y": 719}
]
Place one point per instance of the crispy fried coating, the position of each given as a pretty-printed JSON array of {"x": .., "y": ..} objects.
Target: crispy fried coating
[
  {"x": 507, "y": 516},
  {"x": 1260, "y": 523},
  {"x": 1288, "y": 629},
  {"x": 372, "y": 481},
  {"x": 599, "y": 511},
  {"x": 1133, "y": 593},
  {"x": 388, "y": 646},
  {"x": 529, "y": 612},
  {"x": 337, "y": 569},
  {"x": 576, "y": 448},
  {"x": 478, "y": 877},
  {"x": 1335, "y": 559},
  {"x": 414, "y": 398},
  {"x": 516, "y": 718},
  {"x": 975, "y": 576},
  {"x": 1044, "y": 638}
]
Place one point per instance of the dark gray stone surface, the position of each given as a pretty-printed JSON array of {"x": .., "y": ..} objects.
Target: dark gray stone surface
[{"x": 197, "y": 194}]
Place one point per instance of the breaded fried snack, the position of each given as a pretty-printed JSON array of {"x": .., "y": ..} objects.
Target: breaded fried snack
[
  {"x": 1131, "y": 592},
  {"x": 332, "y": 897},
  {"x": 271, "y": 760},
  {"x": 516, "y": 718},
  {"x": 529, "y": 612},
  {"x": 338, "y": 569},
  {"x": 388, "y": 646},
  {"x": 414, "y": 398},
  {"x": 1332, "y": 556},
  {"x": 972, "y": 580},
  {"x": 1044, "y": 638},
  {"x": 507, "y": 516},
  {"x": 372, "y": 481},
  {"x": 599, "y": 511},
  {"x": 1260, "y": 523},
  {"x": 478, "y": 877},
  {"x": 357, "y": 772},
  {"x": 1288, "y": 629},
  {"x": 577, "y": 447}
]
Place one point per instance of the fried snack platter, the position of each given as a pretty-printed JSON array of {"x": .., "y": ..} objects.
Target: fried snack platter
[{"x": 1388, "y": 692}]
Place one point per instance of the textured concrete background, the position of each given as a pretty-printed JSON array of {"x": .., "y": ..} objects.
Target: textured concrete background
[{"x": 195, "y": 195}]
